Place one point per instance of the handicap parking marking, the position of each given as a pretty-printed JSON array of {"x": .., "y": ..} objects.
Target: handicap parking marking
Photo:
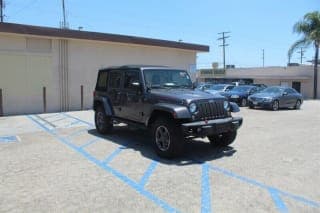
[
  {"x": 133, "y": 184},
  {"x": 9, "y": 139},
  {"x": 277, "y": 195}
]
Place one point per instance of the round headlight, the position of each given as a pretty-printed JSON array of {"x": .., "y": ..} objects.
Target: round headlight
[
  {"x": 226, "y": 105},
  {"x": 193, "y": 107}
]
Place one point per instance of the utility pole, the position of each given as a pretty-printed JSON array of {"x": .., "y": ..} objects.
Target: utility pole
[
  {"x": 1, "y": 10},
  {"x": 64, "y": 24},
  {"x": 262, "y": 57},
  {"x": 223, "y": 38},
  {"x": 301, "y": 52}
]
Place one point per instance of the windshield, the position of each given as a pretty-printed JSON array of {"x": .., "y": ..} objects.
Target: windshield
[
  {"x": 167, "y": 78},
  {"x": 218, "y": 87},
  {"x": 272, "y": 90},
  {"x": 241, "y": 89}
]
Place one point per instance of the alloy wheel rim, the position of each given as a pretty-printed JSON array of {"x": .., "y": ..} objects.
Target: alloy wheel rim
[
  {"x": 275, "y": 105},
  {"x": 244, "y": 102},
  {"x": 162, "y": 138},
  {"x": 298, "y": 105}
]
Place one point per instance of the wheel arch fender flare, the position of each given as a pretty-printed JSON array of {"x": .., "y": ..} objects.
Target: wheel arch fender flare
[
  {"x": 176, "y": 111},
  {"x": 105, "y": 102}
]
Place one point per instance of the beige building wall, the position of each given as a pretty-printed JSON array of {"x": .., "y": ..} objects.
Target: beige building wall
[
  {"x": 24, "y": 71},
  {"x": 29, "y": 63},
  {"x": 87, "y": 57}
]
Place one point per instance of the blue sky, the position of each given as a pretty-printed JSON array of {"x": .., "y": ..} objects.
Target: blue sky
[{"x": 254, "y": 24}]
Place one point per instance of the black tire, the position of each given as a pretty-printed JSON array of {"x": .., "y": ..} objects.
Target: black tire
[
  {"x": 103, "y": 122},
  {"x": 251, "y": 106},
  {"x": 275, "y": 105},
  {"x": 167, "y": 138},
  {"x": 298, "y": 104},
  {"x": 244, "y": 102},
  {"x": 223, "y": 139}
]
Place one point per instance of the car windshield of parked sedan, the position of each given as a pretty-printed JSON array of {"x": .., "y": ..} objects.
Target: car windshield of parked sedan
[
  {"x": 218, "y": 87},
  {"x": 157, "y": 78},
  {"x": 241, "y": 89},
  {"x": 274, "y": 90}
]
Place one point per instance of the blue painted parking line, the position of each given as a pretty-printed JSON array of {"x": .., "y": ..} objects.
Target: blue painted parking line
[
  {"x": 109, "y": 169},
  {"x": 148, "y": 173},
  {"x": 8, "y": 139},
  {"x": 90, "y": 143},
  {"x": 60, "y": 119},
  {"x": 110, "y": 157},
  {"x": 205, "y": 189},
  {"x": 275, "y": 193},
  {"x": 51, "y": 116},
  {"x": 281, "y": 206},
  {"x": 77, "y": 119},
  {"x": 77, "y": 133}
]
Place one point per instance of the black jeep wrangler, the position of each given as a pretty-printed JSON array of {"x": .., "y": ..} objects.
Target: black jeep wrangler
[{"x": 162, "y": 100}]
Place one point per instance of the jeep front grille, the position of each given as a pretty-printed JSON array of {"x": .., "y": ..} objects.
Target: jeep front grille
[{"x": 211, "y": 110}]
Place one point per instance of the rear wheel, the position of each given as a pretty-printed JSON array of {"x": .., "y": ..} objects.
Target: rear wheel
[
  {"x": 102, "y": 121},
  {"x": 275, "y": 105},
  {"x": 168, "y": 139},
  {"x": 298, "y": 104},
  {"x": 223, "y": 139}
]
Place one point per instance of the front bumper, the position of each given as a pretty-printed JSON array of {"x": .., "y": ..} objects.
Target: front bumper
[
  {"x": 262, "y": 104},
  {"x": 211, "y": 127}
]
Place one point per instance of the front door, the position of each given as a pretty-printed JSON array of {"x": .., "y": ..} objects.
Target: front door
[{"x": 132, "y": 94}]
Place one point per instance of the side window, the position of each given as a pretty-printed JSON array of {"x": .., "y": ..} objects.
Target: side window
[
  {"x": 114, "y": 80},
  {"x": 290, "y": 91},
  {"x": 129, "y": 78},
  {"x": 102, "y": 81}
]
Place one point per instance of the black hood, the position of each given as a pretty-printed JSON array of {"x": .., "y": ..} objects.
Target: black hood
[{"x": 183, "y": 95}]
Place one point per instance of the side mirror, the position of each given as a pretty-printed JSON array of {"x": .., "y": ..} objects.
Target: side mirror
[{"x": 284, "y": 94}]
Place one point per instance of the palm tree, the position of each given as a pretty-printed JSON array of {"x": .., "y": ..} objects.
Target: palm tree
[{"x": 309, "y": 27}]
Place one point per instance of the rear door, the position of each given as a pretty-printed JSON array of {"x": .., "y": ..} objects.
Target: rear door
[{"x": 115, "y": 81}]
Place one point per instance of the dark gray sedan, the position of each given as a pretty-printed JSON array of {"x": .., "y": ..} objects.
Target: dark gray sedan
[{"x": 276, "y": 97}]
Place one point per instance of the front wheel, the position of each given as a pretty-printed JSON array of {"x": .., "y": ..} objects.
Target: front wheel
[
  {"x": 168, "y": 139},
  {"x": 275, "y": 105},
  {"x": 223, "y": 139},
  {"x": 244, "y": 102},
  {"x": 298, "y": 104},
  {"x": 102, "y": 121}
]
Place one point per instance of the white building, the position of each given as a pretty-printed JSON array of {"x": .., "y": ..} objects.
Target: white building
[
  {"x": 45, "y": 68},
  {"x": 298, "y": 77}
]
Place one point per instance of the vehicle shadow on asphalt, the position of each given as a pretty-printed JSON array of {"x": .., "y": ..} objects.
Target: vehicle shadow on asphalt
[{"x": 197, "y": 151}]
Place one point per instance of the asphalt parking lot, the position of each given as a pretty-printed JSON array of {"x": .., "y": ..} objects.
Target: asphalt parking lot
[{"x": 58, "y": 162}]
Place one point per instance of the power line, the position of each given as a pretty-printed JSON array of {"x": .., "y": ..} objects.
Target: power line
[{"x": 223, "y": 38}]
